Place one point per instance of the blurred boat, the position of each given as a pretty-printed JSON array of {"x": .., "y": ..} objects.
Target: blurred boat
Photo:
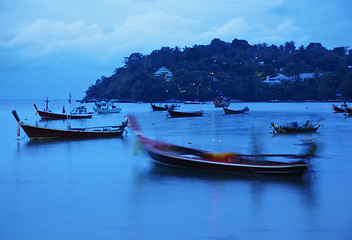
[
  {"x": 42, "y": 133},
  {"x": 293, "y": 127},
  {"x": 221, "y": 101},
  {"x": 106, "y": 107},
  {"x": 230, "y": 111},
  {"x": 176, "y": 114},
  {"x": 179, "y": 156}
]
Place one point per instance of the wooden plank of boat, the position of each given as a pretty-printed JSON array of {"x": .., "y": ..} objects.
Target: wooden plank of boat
[
  {"x": 50, "y": 115},
  {"x": 174, "y": 155},
  {"x": 40, "y": 133},
  {"x": 176, "y": 114},
  {"x": 230, "y": 111}
]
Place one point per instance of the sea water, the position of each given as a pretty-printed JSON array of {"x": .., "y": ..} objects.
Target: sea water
[{"x": 109, "y": 189}]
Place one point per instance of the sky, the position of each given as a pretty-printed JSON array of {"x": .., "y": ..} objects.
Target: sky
[{"x": 54, "y": 48}]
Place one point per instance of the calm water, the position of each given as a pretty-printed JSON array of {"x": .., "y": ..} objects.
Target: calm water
[{"x": 107, "y": 189}]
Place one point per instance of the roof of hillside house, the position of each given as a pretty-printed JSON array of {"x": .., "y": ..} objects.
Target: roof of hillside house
[{"x": 163, "y": 71}]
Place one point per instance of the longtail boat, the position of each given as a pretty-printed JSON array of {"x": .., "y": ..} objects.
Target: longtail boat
[
  {"x": 230, "y": 111},
  {"x": 77, "y": 113},
  {"x": 177, "y": 114},
  {"x": 337, "y": 109},
  {"x": 179, "y": 156},
  {"x": 295, "y": 128},
  {"x": 158, "y": 108},
  {"x": 163, "y": 108},
  {"x": 221, "y": 101},
  {"x": 342, "y": 109},
  {"x": 43, "y": 133}
]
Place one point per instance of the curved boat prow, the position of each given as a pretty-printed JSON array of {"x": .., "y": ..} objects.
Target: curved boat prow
[
  {"x": 132, "y": 122},
  {"x": 16, "y": 116}
]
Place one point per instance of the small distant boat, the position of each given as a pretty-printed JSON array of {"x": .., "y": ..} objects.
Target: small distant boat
[
  {"x": 106, "y": 107},
  {"x": 76, "y": 113},
  {"x": 230, "y": 111},
  {"x": 221, "y": 101},
  {"x": 42, "y": 133},
  {"x": 176, "y": 114},
  {"x": 178, "y": 156},
  {"x": 295, "y": 128},
  {"x": 337, "y": 109},
  {"x": 163, "y": 108},
  {"x": 193, "y": 102}
]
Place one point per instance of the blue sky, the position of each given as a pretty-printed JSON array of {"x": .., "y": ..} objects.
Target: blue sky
[{"x": 52, "y": 48}]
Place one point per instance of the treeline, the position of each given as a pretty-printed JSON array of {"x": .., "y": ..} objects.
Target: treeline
[{"x": 235, "y": 69}]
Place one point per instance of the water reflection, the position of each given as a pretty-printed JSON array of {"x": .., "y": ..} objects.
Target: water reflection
[
  {"x": 225, "y": 199},
  {"x": 258, "y": 183}
]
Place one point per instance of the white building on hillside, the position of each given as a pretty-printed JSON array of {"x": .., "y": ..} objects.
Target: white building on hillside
[
  {"x": 305, "y": 76},
  {"x": 164, "y": 72},
  {"x": 275, "y": 80}
]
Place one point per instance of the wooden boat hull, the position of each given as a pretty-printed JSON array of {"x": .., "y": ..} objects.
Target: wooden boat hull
[
  {"x": 42, "y": 133},
  {"x": 178, "y": 156},
  {"x": 230, "y": 111},
  {"x": 51, "y": 115},
  {"x": 177, "y": 114}
]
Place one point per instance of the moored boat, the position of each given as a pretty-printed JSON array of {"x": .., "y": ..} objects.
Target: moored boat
[
  {"x": 193, "y": 102},
  {"x": 179, "y": 156},
  {"x": 163, "y": 108},
  {"x": 221, "y": 101},
  {"x": 308, "y": 127},
  {"x": 106, "y": 107},
  {"x": 176, "y": 114},
  {"x": 230, "y": 111},
  {"x": 337, "y": 109},
  {"x": 77, "y": 113},
  {"x": 43, "y": 133}
]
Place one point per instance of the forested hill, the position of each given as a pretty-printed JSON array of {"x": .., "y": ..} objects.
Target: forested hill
[{"x": 235, "y": 69}]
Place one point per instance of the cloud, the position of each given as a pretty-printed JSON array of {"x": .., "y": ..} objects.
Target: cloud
[
  {"x": 137, "y": 33},
  {"x": 59, "y": 42},
  {"x": 255, "y": 32},
  {"x": 45, "y": 37}
]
